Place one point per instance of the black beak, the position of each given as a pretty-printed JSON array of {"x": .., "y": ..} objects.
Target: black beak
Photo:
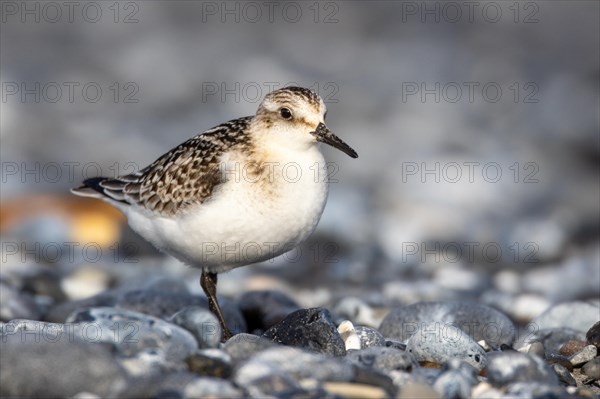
[{"x": 324, "y": 135}]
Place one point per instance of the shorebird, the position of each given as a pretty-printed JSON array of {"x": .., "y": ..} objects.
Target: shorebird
[{"x": 242, "y": 192}]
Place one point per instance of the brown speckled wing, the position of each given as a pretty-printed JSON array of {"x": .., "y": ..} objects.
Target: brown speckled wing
[{"x": 186, "y": 175}]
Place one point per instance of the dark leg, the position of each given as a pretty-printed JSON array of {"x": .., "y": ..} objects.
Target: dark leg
[{"x": 208, "y": 282}]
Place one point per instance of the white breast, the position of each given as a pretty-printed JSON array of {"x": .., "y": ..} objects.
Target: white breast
[{"x": 247, "y": 219}]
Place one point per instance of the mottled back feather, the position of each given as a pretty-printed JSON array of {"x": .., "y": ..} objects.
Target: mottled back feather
[{"x": 186, "y": 175}]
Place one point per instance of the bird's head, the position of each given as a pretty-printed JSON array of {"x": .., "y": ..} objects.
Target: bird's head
[{"x": 295, "y": 117}]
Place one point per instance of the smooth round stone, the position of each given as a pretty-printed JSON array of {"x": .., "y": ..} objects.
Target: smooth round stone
[
  {"x": 593, "y": 335},
  {"x": 243, "y": 346},
  {"x": 369, "y": 337},
  {"x": 136, "y": 335},
  {"x": 59, "y": 369},
  {"x": 438, "y": 343},
  {"x": 263, "y": 309},
  {"x": 382, "y": 359},
  {"x": 203, "y": 325},
  {"x": 312, "y": 329},
  {"x": 480, "y": 322},
  {"x": 164, "y": 304},
  {"x": 507, "y": 367},
  {"x": 592, "y": 368},
  {"x": 575, "y": 315},
  {"x": 584, "y": 355}
]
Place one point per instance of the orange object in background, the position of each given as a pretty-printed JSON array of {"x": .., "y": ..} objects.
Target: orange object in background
[{"x": 89, "y": 220}]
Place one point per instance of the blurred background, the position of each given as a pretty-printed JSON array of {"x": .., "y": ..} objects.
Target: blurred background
[{"x": 476, "y": 124}]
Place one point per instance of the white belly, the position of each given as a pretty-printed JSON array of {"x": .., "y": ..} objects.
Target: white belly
[{"x": 246, "y": 221}]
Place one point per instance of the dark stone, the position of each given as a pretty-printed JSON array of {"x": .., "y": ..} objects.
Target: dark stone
[
  {"x": 593, "y": 335},
  {"x": 59, "y": 369},
  {"x": 263, "y": 309},
  {"x": 312, "y": 329}
]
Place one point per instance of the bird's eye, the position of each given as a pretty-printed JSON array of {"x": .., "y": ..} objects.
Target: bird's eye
[{"x": 285, "y": 113}]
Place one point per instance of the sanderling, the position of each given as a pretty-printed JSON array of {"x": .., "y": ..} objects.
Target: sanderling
[{"x": 242, "y": 192}]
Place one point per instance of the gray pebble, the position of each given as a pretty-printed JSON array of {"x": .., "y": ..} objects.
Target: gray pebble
[
  {"x": 564, "y": 375},
  {"x": 382, "y": 359},
  {"x": 152, "y": 341},
  {"x": 584, "y": 355},
  {"x": 59, "y": 369},
  {"x": 512, "y": 366},
  {"x": 203, "y": 325},
  {"x": 592, "y": 368},
  {"x": 369, "y": 337},
  {"x": 437, "y": 342},
  {"x": 479, "y": 321}
]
